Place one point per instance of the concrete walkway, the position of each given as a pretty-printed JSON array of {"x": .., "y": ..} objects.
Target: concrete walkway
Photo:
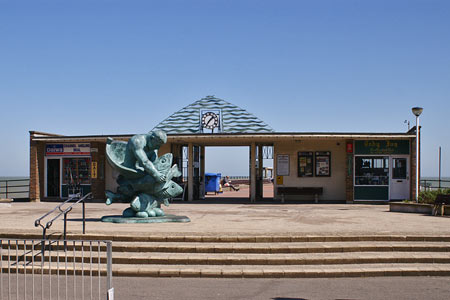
[{"x": 235, "y": 217}]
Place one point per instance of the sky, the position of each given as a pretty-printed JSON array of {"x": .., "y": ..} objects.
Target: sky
[{"x": 120, "y": 67}]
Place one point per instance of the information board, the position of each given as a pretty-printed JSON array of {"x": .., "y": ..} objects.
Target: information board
[
  {"x": 305, "y": 164},
  {"x": 323, "y": 164},
  {"x": 282, "y": 165}
]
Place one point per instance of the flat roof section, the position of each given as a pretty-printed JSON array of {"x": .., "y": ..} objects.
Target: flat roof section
[{"x": 228, "y": 137}]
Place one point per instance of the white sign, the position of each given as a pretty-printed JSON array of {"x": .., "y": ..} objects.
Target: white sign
[
  {"x": 68, "y": 149},
  {"x": 282, "y": 165}
]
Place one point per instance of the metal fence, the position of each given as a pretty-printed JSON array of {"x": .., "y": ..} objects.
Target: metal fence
[
  {"x": 55, "y": 269},
  {"x": 15, "y": 188},
  {"x": 434, "y": 184}
]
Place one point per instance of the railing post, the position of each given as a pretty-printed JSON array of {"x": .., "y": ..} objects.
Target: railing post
[
  {"x": 109, "y": 268},
  {"x": 65, "y": 225},
  {"x": 6, "y": 189},
  {"x": 84, "y": 218},
  {"x": 44, "y": 229}
]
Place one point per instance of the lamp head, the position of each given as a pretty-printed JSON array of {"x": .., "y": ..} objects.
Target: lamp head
[{"x": 417, "y": 111}]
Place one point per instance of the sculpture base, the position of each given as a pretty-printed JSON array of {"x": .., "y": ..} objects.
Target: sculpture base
[{"x": 163, "y": 219}]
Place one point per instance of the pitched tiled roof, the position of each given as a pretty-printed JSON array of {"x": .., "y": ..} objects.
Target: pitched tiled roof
[{"x": 234, "y": 118}]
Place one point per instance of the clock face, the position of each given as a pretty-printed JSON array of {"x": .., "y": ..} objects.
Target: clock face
[{"x": 210, "y": 120}]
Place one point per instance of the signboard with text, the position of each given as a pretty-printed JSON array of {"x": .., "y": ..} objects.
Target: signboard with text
[
  {"x": 382, "y": 147},
  {"x": 68, "y": 149}
]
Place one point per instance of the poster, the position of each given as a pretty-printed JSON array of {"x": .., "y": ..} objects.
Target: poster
[
  {"x": 282, "y": 165},
  {"x": 323, "y": 165},
  {"x": 305, "y": 164}
]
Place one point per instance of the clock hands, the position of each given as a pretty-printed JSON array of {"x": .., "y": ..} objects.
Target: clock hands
[{"x": 209, "y": 121}]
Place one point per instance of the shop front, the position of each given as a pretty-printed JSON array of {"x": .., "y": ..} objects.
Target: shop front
[
  {"x": 382, "y": 170},
  {"x": 343, "y": 167},
  {"x": 67, "y": 169}
]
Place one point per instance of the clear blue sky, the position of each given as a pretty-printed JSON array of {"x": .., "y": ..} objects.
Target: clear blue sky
[{"x": 77, "y": 67}]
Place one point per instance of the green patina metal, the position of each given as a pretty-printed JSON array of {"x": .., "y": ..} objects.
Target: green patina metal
[
  {"x": 228, "y": 118},
  {"x": 145, "y": 180}
]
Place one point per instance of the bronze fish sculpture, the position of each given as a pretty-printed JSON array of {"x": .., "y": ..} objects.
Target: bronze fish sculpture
[{"x": 140, "y": 189}]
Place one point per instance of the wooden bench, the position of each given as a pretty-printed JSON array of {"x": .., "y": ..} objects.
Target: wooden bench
[
  {"x": 439, "y": 203},
  {"x": 300, "y": 191}
]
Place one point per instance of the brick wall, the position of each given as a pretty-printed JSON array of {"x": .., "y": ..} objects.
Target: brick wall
[
  {"x": 34, "y": 173},
  {"x": 98, "y": 184},
  {"x": 37, "y": 150},
  {"x": 349, "y": 175}
]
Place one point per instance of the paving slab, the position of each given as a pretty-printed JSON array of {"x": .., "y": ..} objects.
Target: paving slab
[{"x": 228, "y": 221}]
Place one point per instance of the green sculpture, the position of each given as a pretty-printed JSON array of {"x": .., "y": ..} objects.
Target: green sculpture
[{"x": 145, "y": 180}]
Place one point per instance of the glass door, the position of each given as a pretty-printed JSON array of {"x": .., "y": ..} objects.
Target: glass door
[{"x": 400, "y": 178}]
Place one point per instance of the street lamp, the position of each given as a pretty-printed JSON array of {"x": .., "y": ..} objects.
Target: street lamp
[{"x": 417, "y": 111}]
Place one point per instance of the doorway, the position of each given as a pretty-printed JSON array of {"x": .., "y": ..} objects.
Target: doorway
[
  {"x": 399, "y": 188},
  {"x": 231, "y": 162},
  {"x": 264, "y": 172},
  {"x": 53, "y": 177}
]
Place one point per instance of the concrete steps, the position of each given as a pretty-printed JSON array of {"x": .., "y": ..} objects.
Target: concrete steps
[
  {"x": 146, "y": 258},
  {"x": 258, "y": 256},
  {"x": 286, "y": 271}
]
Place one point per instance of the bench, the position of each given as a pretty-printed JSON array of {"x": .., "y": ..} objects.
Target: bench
[
  {"x": 439, "y": 203},
  {"x": 298, "y": 191}
]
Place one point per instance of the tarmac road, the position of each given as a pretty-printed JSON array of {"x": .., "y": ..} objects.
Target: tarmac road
[{"x": 398, "y": 288}]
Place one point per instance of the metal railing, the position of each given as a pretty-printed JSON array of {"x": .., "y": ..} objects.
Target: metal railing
[
  {"x": 61, "y": 210},
  {"x": 83, "y": 270},
  {"x": 434, "y": 184},
  {"x": 15, "y": 187}
]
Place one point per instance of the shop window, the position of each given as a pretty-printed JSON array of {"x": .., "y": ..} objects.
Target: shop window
[
  {"x": 76, "y": 171},
  {"x": 371, "y": 170}
]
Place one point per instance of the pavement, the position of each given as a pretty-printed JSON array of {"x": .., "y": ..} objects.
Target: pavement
[{"x": 233, "y": 216}]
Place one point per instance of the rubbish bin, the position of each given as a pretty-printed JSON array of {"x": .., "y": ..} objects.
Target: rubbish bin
[{"x": 212, "y": 182}]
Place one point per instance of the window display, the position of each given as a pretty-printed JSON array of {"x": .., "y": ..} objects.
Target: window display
[
  {"x": 76, "y": 171},
  {"x": 305, "y": 164},
  {"x": 371, "y": 170}
]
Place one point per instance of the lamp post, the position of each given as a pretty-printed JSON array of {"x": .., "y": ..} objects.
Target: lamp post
[{"x": 417, "y": 111}]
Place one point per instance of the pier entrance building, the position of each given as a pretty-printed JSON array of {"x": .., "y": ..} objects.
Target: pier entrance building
[{"x": 307, "y": 166}]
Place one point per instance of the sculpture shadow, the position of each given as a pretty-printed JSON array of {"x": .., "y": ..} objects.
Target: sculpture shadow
[{"x": 284, "y": 298}]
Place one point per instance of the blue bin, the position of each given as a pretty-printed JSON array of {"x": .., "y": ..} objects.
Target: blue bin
[{"x": 212, "y": 182}]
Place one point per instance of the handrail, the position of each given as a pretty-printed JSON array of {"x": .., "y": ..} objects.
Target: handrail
[{"x": 64, "y": 212}]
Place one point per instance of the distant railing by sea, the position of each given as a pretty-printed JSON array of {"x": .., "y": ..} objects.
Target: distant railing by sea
[
  {"x": 15, "y": 187},
  {"x": 431, "y": 183}
]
